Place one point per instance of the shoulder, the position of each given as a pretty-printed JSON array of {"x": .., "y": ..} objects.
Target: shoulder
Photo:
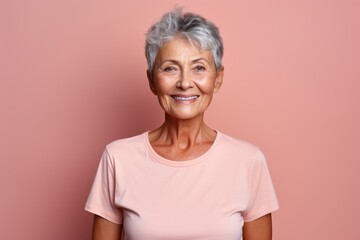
[
  {"x": 238, "y": 146},
  {"x": 126, "y": 146},
  {"x": 239, "y": 152}
]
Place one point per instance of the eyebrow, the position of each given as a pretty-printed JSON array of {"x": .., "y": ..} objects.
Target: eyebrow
[
  {"x": 177, "y": 62},
  {"x": 199, "y": 59}
]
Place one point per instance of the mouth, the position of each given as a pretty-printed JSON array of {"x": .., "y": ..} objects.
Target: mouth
[{"x": 184, "y": 98}]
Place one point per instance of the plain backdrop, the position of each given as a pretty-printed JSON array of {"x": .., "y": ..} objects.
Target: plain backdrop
[{"x": 73, "y": 78}]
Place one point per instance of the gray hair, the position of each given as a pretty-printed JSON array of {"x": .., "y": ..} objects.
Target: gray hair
[{"x": 195, "y": 28}]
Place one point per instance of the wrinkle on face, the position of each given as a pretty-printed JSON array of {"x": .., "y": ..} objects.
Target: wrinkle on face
[{"x": 184, "y": 56}]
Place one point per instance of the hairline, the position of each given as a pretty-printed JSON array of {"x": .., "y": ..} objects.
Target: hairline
[{"x": 203, "y": 34}]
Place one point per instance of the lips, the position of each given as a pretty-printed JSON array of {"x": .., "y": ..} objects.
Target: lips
[{"x": 184, "y": 98}]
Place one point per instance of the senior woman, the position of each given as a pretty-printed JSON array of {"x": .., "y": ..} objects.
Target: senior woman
[{"x": 183, "y": 180}]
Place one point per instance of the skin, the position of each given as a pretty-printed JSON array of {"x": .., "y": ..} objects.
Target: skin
[
  {"x": 105, "y": 230},
  {"x": 184, "y": 135},
  {"x": 259, "y": 229},
  {"x": 184, "y": 81}
]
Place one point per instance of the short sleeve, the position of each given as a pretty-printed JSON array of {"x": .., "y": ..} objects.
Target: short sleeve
[
  {"x": 101, "y": 200},
  {"x": 262, "y": 197}
]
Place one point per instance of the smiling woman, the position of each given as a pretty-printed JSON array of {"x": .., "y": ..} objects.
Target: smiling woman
[
  {"x": 184, "y": 79},
  {"x": 183, "y": 180}
]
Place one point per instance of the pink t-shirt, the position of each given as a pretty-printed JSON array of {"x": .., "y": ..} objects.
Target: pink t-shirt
[{"x": 209, "y": 197}]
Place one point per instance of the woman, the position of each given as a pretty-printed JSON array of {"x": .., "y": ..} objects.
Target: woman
[{"x": 183, "y": 180}]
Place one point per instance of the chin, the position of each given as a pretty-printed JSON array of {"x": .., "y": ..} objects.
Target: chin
[{"x": 185, "y": 116}]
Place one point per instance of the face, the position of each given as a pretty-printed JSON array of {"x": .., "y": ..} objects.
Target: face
[{"x": 184, "y": 79}]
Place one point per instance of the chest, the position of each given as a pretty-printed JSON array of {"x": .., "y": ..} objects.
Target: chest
[{"x": 184, "y": 203}]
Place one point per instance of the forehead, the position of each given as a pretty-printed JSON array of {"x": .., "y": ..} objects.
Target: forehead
[{"x": 181, "y": 50}]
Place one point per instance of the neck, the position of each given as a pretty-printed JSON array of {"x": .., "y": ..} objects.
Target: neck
[{"x": 184, "y": 133}]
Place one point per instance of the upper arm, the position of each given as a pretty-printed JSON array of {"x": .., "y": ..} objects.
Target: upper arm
[
  {"x": 258, "y": 229},
  {"x": 105, "y": 230}
]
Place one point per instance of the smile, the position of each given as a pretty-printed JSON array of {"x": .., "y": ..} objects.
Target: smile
[{"x": 183, "y": 98}]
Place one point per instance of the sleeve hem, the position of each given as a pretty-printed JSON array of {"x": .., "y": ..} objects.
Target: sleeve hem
[
  {"x": 103, "y": 213},
  {"x": 260, "y": 213}
]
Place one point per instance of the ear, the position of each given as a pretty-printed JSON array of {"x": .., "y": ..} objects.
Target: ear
[
  {"x": 151, "y": 82},
  {"x": 219, "y": 79}
]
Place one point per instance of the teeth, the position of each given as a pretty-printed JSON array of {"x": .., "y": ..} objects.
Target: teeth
[{"x": 185, "y": 98}]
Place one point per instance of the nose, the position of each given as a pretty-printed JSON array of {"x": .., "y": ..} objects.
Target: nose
[{"x": 185, "y": 81}]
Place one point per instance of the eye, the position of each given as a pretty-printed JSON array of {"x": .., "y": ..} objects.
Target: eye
[
  {"x": 199, "y": 68},
  {"x": 169, "y": 69}
]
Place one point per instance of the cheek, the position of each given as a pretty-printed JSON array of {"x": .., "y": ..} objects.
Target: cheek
[
  {"x": 164, "y": 85},
  {"x": 163, "y": 101},
  {"x": 206, "y": 86}
]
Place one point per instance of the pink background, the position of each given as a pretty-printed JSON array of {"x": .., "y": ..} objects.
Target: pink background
[{"x": 73, "y": 79}]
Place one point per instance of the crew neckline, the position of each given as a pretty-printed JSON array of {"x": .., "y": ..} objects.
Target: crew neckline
[{"x": 180, "y": 163}]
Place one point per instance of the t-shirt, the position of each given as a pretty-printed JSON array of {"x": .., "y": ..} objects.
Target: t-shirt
[{"x": 209, "y": 197}]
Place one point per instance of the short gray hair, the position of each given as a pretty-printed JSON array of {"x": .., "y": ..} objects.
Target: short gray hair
[{"x": 194, "y": 27}]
